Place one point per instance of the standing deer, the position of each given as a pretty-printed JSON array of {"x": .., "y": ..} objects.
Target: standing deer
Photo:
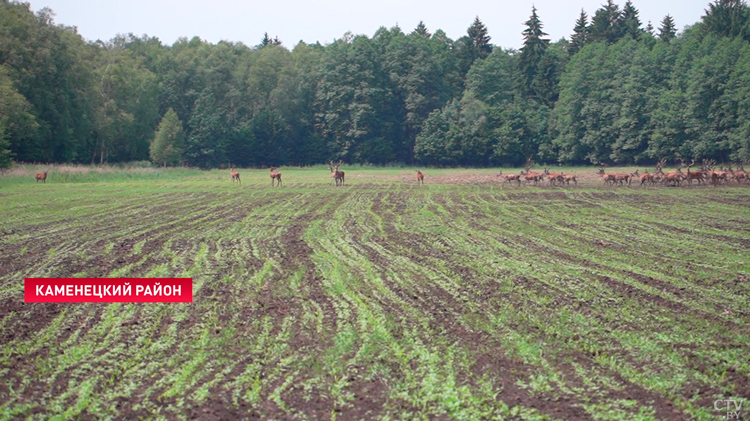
[
  {"x": 608, "y": 178},
  {"x": 672, "y": 177},
  {"x": 534, "y": 177},
  {"x": 235, "y": 175},
  {"x": 42, "y": 176},
  {"x": 420, "y": 177},
  {"x": 275, "y": 176},
  {"x": 694, "y": 175},
  {"x": 716, "y": 176},
  {"x": 554, "y": 177},
  {"x": 335, "y": 173}
]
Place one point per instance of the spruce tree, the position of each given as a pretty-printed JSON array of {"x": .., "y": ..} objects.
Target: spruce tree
[
  {"x": 607, "y": 24},
  {"x": 630, "y": 22},
  {"x": 480, "y": 41},
  {"x": 580, "y": 34},
  {"x": 421, "y": 29},
  {"x": 667, "y": 30},
  {"x": 727, "y": 18},
  {"x": 266, "y": 40},
  {"x": 650, "y": 28},
  {"x": 532, "y": 52}
]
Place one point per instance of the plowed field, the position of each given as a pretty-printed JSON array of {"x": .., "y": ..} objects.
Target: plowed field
[{"x": 379, "y": 299}]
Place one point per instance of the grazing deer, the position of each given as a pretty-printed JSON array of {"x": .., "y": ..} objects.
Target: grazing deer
[
  {"x": 235, "y": 175},
  {"x": 42, "y": 177},
  {"x": 275, "y": 176},
  {"x": 338, "y": 176},
  {"x": 510, "y": 177},
  {"x": 608, "y": 178},
  {"x": 420, "y": 177}
]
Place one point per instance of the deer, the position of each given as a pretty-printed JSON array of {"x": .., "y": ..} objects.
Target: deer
[
  {"x": 510, "y": 177},
  {"x": 420, "y": 177},
  {"x": 646, "y": 177},
  {"x": 275, "y": 176},
  {"x": 673, "y": 177},
  {"x": 42, "y": 177},
  {"x": 608, "y": 178},
  {"x": 626, "y": 177},
  {"x": 235, "y": 175},
  {"x": 735, "y": 175},
  {"x": 741, "y": 174},
  {"x": 716, "y": 176},
  {"x": 553, "y": 177},
  {"x": 531, "y": 176},
  {"x": 338, "y": 176},
  {"x": 567, "y": 178},
  {"x": 694, "y": 175}
]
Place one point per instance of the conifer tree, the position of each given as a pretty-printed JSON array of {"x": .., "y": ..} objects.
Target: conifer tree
[
  {"x": 421, "y": 29},
  {"x": 480, "y": 41},
  {"x": 667, "y": 30},
  {"x": 532, "y": 52},
  {"x": 630, "y": 21},
  {"x": 580, "y": 34}
]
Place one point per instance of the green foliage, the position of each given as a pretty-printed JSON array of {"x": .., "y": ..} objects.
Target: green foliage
[
  {"x": 667, "y": 30},
  {"x": 6, "y": 156},
  {"x": 728, "y": 18},
  {"x": 580, "y": 34},
  {"x": 169, "y": 142},
  {"x": 532, "y": 57},
  {"x": 615, "y": 93}
]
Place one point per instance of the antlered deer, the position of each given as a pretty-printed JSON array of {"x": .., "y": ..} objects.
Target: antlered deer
[
  {"x": 275, "y": 176},
  {"x": 510, "y": 177},
  {"x": 647, "y": 178},
  {"x": 338, "y": 176},
  {"x": 42, "y": 177},
  {"x": 554, "y": 177},
  {"x": 235, "y": 175},
  {"x": 420, "y": 177},
  {"x": 608, "y": 178},
  {"x": 694, "y": 175},
  {"x": 535, "y": 177},
  {"x": 716, "y": 176},
  {"x": 672, "y": 177}
]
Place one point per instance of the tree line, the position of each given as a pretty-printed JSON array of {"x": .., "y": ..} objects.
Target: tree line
[{"x": 613, "y": 91}]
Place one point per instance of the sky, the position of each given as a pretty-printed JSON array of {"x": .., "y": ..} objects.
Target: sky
[{"x": 326, "y": 20}]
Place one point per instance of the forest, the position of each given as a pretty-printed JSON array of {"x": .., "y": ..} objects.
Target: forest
[{"x": 615, "y": 91}]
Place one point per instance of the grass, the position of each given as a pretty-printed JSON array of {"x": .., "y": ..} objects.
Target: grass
[{"x": 461, "y": 298}]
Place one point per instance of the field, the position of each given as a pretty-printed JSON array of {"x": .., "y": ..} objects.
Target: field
[{"x": 460, "y": 299}]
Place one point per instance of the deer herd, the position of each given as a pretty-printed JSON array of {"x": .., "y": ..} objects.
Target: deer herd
[{"x": 707, "y": 173}]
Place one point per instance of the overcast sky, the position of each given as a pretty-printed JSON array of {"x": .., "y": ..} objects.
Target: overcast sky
[{"x": 324, "y": 21}]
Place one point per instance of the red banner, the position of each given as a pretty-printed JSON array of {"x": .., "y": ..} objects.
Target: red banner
[{"x": 108, "y": 290}]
